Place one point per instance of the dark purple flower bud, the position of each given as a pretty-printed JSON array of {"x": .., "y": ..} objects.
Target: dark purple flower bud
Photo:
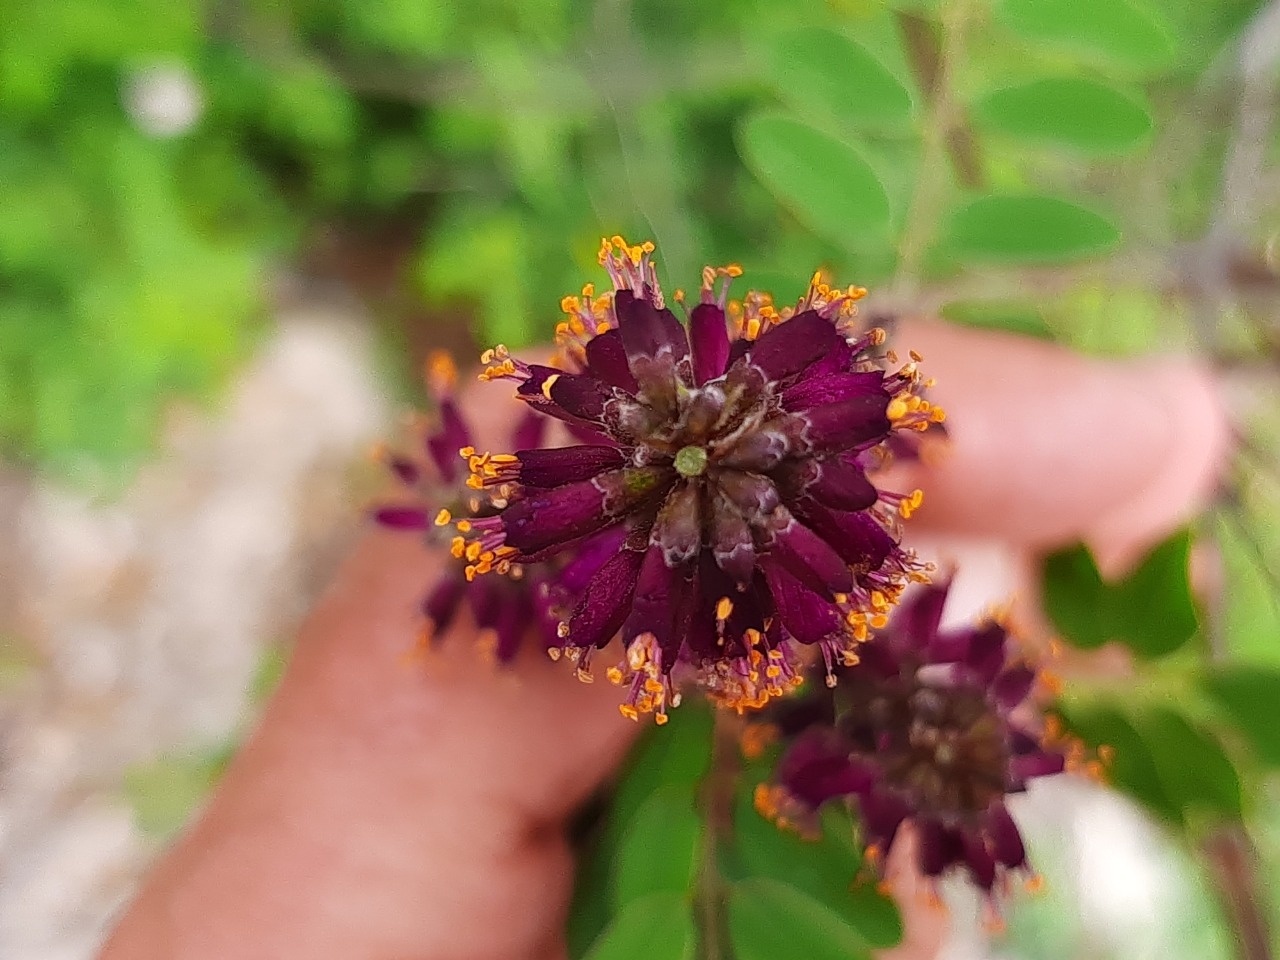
[
  {"x": 938, "y": 734},
  {"x": 727, "y": 457}
]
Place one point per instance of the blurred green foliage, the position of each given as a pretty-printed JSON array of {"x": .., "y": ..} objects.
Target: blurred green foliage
[{"x": 156, "y": 158}]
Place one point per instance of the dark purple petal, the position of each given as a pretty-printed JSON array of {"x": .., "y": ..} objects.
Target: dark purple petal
[
  {"x": 560, "y": 465},
  {"x": 607, "y": 359},
  {"x": 818, "y": 768},
  {"x": 406, "y": 471},
  {"x": 529, "y": 431},
  {"x": 648, "y": 331},
  {"x": 1006, "y": 840},
  {"x": 916, "y": 621},
  {"x": 606, "y": 601},
  {"x": 515, "y": 619},
  {"x": 985, "y": 655},
  {"x": 731, "y": 542},
  {"x": 1013, "y": 685},
  {"x": 760, "y": 450},
  {"x": 589, "y": 557},
  {"x": 1040, "y": 764},
  {"x": 485, "y": 595},
  {"x": 836, "y": 427},
  {"x": 576, "y": 398},
  {"x": 808, "y": 616},
  {"x": 709, "y": 337},
  {"x": 442, "y": 603},
  {"x": 753, "y": 496},
  {"x": 818, "y": 391},
  {"x": 811, "y": 558},
  {"x": 940, "y": 847},
  {"x": 444, "y": 444},
  {"x": 786, "y": 349},
  {"x": 402, "y": 518},
  {"x": 839, "y": 359},
  {"x": 881, "y": 813},
  {"x": 662, "y": 605},
  {"x": 678, "y": 528},
  {"x": 981, "y": 864},
  {"x": 836, "y": 482},
  {"x": 554, "y": 518},
  {"x": 859, "y": 539}
]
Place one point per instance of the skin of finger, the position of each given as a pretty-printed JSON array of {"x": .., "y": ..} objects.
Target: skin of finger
[
  {"x": 384, "y": 809},
  {"x": 1048, "y": 447}
]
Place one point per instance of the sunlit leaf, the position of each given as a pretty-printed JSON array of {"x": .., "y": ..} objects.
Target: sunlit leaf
[
  {"x": 1152, "y": 607},
  {"x": 1029, "y": 229},
  {"x": 824, "y": 182},
  {"x": 1151, "y": 610},
  {"x": 1196, "y": 771},
  {"x": 657, "y": 927},
  {"x": 660, "y": 847},
  {"x": 676, "y": 754},
  {"x": 1009, "y": 315},
  {"x": 769, "y": 920},
  {"x": 1111, "y": 32},
  {"x": 1249, "y": 697},
  {"x": 1132, "y": 767},
  {"x": 829, "y": 869},
  {"x": 1075, "y": 597},
  {"x": 823, "y": 72},
  {"x": 1075, "y": 112}
]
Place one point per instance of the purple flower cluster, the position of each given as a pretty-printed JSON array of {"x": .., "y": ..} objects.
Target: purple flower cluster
[
  {"x": 436, "y": 494},
  {"x": 725, "y": 459},
  {"x": 931, "y": 727}
]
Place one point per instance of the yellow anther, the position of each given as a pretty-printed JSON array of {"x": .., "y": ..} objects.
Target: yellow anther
[
  {"x": 753, "y": 328},
  {"x": 628, "y": 711},
  {"x": 724, "y": 608},
  {"x": 897, "y": 409},
  {"x": 463, "y": 526},
  {"x": 733, "y": 270},
  {"x": 443, "y": 518},
  {"x": 660, "y": 718},
  {"x": 457, "y": 546},
  {"x": 466, "y": 453},
  {"x": 614, "y": 675},
  {"x": 473, "y": 551}
]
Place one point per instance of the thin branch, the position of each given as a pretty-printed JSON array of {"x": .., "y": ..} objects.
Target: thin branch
[
  {"x": 717, "y": 809},
  {"x": 1233, "y": 861},
  {"x": 936, "y": 75}
]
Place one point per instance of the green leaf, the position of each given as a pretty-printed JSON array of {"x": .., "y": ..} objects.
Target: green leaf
[
  {"x": 1084, "y": 115},
  {"x": 824, "y": 182},
  {"x": 1029, "y": 229},
  {"x": 1011, "y": 316},
  {"x": 659, "y": 848},
  {"x": 1151, "y": 611},
  {"x": 822, "y": 72},
  {"x": 1133, "y": 768},
  {"x": 1152, "y": 608},
  {"x": 1248, "y": 697},
  {"x": 677, "y": 754},
  {"x": 1196, "y": 771},
  {"x": 657, "y": 927},
  {"x": 591, "y": 909},
  {"x": 1075, "y": 597},
  {"x": 826, "y": 869},
  {"x": 1110, "y": 32},
  {"x": 769, "y": 920}
]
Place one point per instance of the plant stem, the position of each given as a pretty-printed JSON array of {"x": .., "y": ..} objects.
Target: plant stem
[
  {"x": 1233, "y": 862},
  {"x": 717, "y": 810},
  {"x": 935, "y": 62}
]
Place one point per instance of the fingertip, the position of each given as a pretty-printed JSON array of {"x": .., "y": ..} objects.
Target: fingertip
[{"x": 1047, "y": 447}]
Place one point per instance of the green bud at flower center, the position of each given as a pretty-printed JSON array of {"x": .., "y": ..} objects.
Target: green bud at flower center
[{"x": 691, "y": 461}]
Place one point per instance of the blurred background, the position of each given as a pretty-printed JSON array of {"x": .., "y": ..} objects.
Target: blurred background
[{"x": 230, "y": 230}]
